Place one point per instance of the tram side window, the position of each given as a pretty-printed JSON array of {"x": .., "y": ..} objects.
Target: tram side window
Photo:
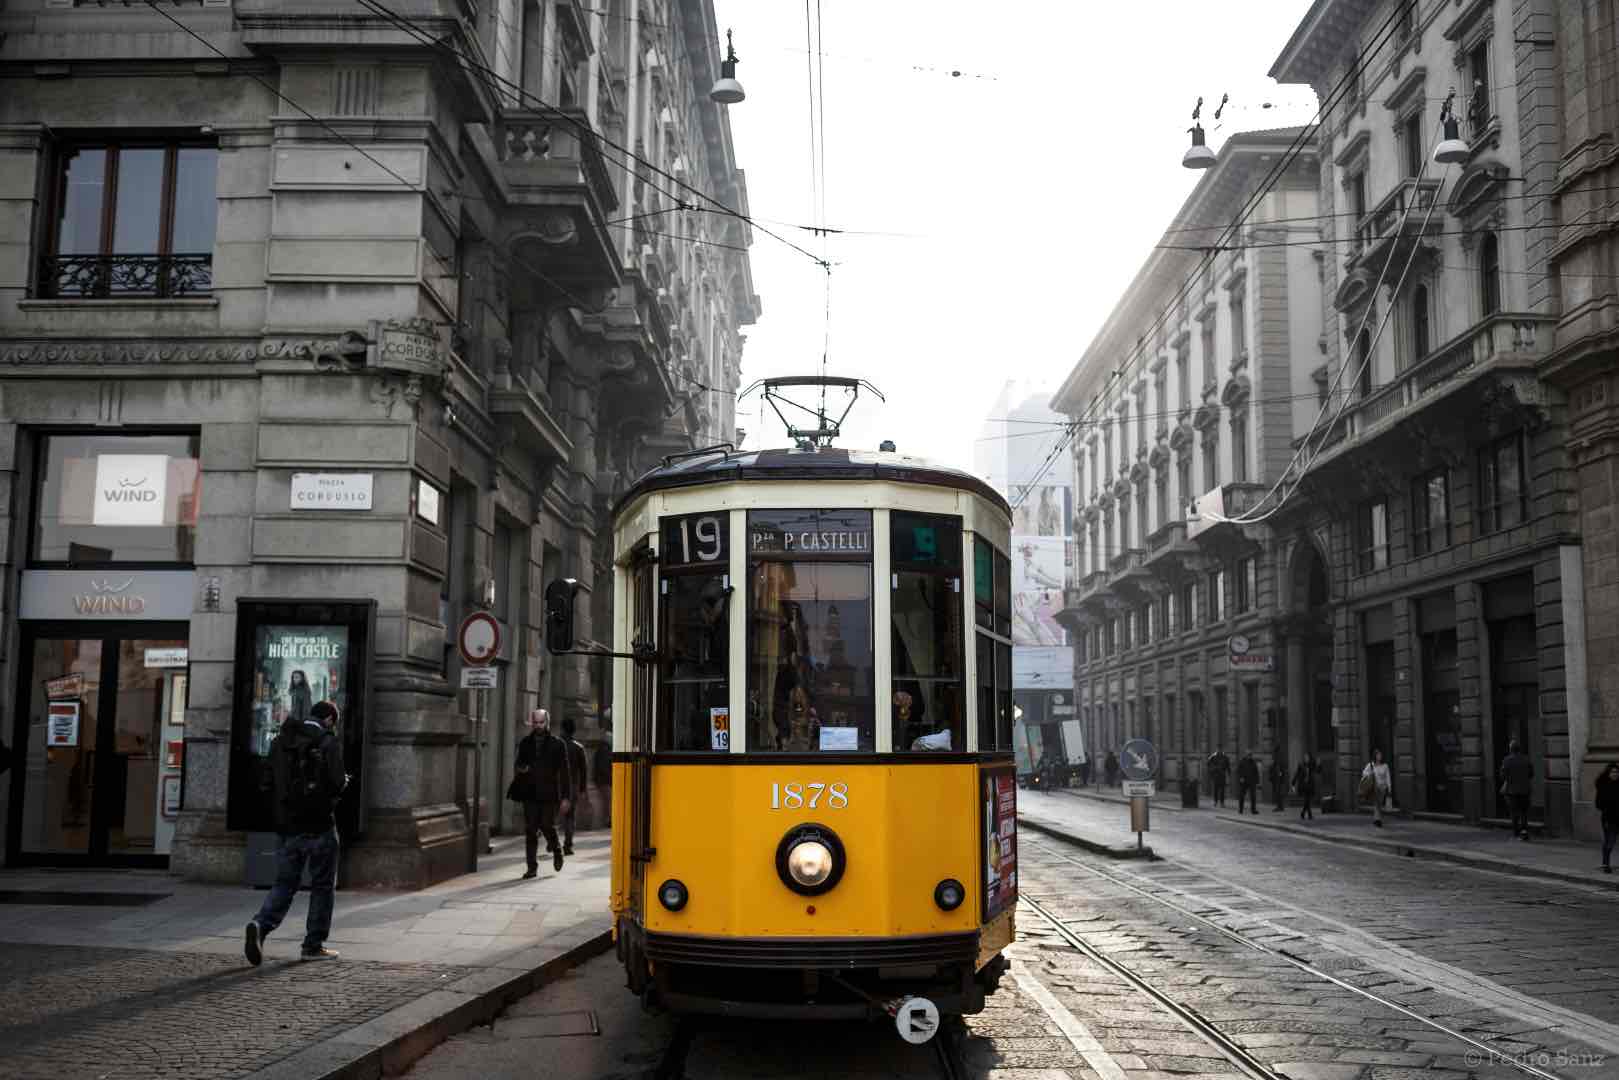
[
  {"x": 811, "y": 668},
  {"x": 929, "y": 712},
  {"x": 694, "y": 692},
  {"x": 992, "y": 581}
]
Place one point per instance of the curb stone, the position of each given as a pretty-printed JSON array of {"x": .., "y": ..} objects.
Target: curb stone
[
  {"x": 389, "y": 1044},
  {"x": 1112, "y": 851},
  {"x": 1418, "y": 851}
]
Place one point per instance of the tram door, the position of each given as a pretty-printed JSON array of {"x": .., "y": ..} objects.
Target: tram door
[{"x": 642, "y": 616}]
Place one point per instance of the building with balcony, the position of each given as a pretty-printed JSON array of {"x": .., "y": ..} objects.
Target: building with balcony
[
  {"x": 320, "y": 329},
  {"x": 1194, "y": 391},
  {"x": 1437, "y": 508}
]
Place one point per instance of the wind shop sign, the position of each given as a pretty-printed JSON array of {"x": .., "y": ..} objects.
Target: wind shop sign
[{"x": 107, "y": 595}]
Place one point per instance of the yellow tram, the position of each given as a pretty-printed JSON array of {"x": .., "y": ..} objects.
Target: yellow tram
[{"x": 813, "y": 785}]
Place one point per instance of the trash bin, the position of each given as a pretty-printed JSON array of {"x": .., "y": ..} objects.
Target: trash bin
[{"x": 1189, "y": 793}]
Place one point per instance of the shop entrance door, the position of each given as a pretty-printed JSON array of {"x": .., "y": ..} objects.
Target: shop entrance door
[{"x": 101, "y": 723}]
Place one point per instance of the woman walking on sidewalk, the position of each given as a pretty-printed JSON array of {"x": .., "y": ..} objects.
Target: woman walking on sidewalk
[
  {"x": 1374, "y": 785},
  {"x": 1607, "y": 801},
  {"x": 1304, "y": 784}
]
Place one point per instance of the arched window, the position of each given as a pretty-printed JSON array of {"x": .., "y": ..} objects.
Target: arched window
[
  {"x": 1419, "y": 323},
  {"x": 1489, "y": 274}
]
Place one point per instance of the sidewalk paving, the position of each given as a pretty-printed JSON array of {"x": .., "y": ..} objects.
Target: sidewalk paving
[
  {"x": 139, "y": 974},
  {"x": 1470, "y": 845}
]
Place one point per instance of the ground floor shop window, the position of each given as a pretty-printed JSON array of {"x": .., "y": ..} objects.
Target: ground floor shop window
[{"x": 103, "y": 743}]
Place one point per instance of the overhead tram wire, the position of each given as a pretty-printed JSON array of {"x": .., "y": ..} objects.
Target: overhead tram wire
[
  {"x": 407, "y": 184},
  {"x": 1334, "y": 98},
  {"x": 487, "y": 74}
]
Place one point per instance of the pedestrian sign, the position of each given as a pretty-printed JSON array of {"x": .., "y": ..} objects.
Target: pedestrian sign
[{"x": 1139, "y": 760}]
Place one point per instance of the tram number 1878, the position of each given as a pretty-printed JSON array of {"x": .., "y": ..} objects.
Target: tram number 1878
[{"x": 814, "y": 795}]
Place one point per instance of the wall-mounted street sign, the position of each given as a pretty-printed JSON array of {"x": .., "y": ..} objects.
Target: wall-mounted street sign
[
  {"x": 479, "y": 639},
  {"x": 408, "y": 345},
  {"x": 331, "y": 491},
  {"x": 479, "y": 678}
]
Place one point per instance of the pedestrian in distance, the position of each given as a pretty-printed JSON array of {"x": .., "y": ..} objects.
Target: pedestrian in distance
[
  {"x": 1248, "y": 782},
  {"x": 1219, "y": 772},
  {"x": 1607, "y": 800},
  {"x": 576, "y": 768},
  {"x": 1278, "y": 779},
  {"x": 1375, "y": 785},
  {"x": 1111, "y": 767},
  {"x": 306, "y": 778},
  {"x": 1304, "y": 781},
  {"x": 601, "y": 775},
  {"x": 1517, "y": 780},
  {"x": 544, "y": 785}
]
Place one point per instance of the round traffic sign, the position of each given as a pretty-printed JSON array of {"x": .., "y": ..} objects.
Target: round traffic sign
[
  {"x": 479, "y": 639},
  {"x": 917, "y": 1019},
  {"x": 1139, "y": 760}
]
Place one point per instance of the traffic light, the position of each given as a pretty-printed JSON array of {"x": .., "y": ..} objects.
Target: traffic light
[{"x": 559, "y": 596}]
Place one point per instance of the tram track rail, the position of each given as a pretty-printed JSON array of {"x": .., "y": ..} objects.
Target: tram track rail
[{"x": 1239, "y": 1056}]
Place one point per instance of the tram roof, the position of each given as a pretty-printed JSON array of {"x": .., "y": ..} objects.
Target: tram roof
[{"x": 789, "y": 464}]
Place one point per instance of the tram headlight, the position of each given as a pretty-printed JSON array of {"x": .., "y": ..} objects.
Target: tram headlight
[
  {"x": 672, "y": 895},
  {"x": 810, "y": 863},
  {"x": 810, "y": 859},
  {"x": 949, "y": 894}
]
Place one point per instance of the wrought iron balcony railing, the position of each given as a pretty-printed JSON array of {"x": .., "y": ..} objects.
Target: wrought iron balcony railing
[{"x": 106, "y": 277}]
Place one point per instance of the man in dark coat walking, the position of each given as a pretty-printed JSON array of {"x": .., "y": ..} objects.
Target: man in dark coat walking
[
  {"x": 546, "y": 784},
  {"x": 306, "y": 775},
  {"x": 1517, "y": 781},
  {"x": 1248, "y": 782},
  {"x": 576, "y": 771},
  {"x": 1219, "y": 773},
  {"x": 1304, "y": 781}
]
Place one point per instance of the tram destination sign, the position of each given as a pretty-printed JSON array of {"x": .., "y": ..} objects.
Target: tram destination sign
[{"x": 809, "y": 534}]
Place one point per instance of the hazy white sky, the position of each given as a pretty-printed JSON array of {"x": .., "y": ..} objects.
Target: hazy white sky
[{"x": 1028, "y": 190}]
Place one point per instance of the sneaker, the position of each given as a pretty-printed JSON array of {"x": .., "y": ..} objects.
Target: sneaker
[
  {"x": 556, "y": 859},
  {"x": 255, "y": 954},
  {"x": 318, "y": 954},
  {"x": 531, "y": 872}
]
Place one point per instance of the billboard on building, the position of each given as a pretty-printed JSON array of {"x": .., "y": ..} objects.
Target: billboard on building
[{"x": 1039, "y": 569}]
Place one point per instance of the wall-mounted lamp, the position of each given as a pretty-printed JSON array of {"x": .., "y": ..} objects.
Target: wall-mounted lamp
[{"x": 486, "y": 593}]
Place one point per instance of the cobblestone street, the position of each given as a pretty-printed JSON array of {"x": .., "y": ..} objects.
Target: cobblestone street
[
  {"x": 1536, "y": 940},
  {"x": 69, "y": 1012}
]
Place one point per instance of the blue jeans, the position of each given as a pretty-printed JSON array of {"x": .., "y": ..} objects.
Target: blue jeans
[{"x": 319, "y": 852}]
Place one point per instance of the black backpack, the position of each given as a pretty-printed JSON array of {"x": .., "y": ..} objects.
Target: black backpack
[{"x": 308, "y": 798}]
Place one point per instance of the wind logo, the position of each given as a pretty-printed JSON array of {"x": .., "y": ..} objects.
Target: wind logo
[
  {"x": 131, "y": 489},
  {"x": 107, "y": 598}
]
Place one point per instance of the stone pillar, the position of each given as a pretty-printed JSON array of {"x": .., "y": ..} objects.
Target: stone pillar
[
  {"x": 1404, "y": 753},
  {"x": 1473, "y": 683},
  {"x": 1300, "y": 700}
]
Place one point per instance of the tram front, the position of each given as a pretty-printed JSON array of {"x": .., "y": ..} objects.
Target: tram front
[{"x": 814, "y": 789}]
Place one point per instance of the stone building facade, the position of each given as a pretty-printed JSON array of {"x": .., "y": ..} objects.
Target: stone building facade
[
  {"x": 1441, "y": 509},
  {"x": 1193, "y": 393},
  {"x": 318, "y": 330}
]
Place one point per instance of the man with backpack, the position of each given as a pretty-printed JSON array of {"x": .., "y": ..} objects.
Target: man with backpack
[{"x": 306, "y": 762}]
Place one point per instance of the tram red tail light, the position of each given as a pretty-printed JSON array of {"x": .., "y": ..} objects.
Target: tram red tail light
[{"x": 949, "y": 894}]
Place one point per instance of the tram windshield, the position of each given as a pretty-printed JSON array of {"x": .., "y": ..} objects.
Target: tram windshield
[
  {"x": 810, "y": 651},
  {"x": 928, "y": 708}
]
